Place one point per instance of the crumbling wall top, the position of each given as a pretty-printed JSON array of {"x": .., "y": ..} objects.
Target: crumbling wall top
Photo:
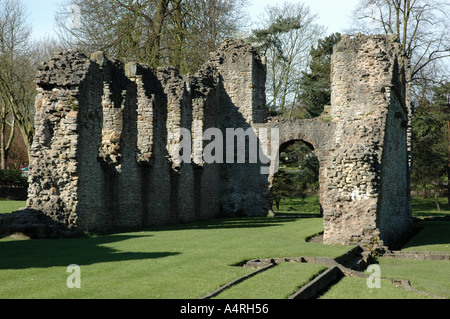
[
  {"x": 234, "y": 47},
  {"x": 350, "y": 44},
  {"x": 64, "y": 69}
]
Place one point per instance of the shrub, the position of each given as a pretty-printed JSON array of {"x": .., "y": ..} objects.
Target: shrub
[{"x": 13, "y": 177}]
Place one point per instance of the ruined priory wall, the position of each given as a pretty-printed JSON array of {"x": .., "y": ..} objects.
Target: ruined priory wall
[
  {"x": 206, "y": 184},
  {"x": 366, "y": 184},
  {"x": 107, "y": 155},
  {"x": 242, "y": 105},
  {"x": 54, "y": 163}
]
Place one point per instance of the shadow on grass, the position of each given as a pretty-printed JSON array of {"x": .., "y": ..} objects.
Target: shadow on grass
[
  {"x": 433, "y": 232},
  {"x": 228, "y": 223},
  {"x": 22, "y": 254},
  {"x": 426, "y": 207}
]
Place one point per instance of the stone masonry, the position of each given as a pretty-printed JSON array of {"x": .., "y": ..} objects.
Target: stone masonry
[
  {"x": 108, "y": 136},
  {"x": 367, "y": 193},
  {"x": 361, "y": 142}
]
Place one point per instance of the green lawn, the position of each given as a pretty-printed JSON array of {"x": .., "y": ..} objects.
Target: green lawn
[
  {"x": 429, "y": 276},
  {"x": 309, "y": 205},
  {"x": 8, "y": 206},
  {"x": 422, "y": 208},
  {"x": 434, "y": 237},
  {"x": 285, "y": 279},
  {"x": 426, "y": 207},
  {"x": 192, "y": 260},
  {"x": 356, "y": 288},
  {"x": 184, "y": 261}
]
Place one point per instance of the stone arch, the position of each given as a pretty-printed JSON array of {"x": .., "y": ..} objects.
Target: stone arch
[
  {"x": 291, "y": 141},
  {"x": 292, "y": 138},
  {"x": 317, "y": 134}
]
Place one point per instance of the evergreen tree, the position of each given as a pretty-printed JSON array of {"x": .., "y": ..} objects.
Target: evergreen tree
[
  {"x": 298, "y": 175},
  {"x": 431, "y": 143},
  {"x": 287, "y": 34},
  {"x": 316, "y": 85},
  {"x": 270, "y": 37}
]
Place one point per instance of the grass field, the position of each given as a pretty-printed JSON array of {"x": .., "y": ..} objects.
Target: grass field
[
  {"x": 192, "y": 260},
  {"x": 184, "y": 261},
  {"x": 8, "y": 206},
  {"x": 423, "y": 208},
  {"x": 281, "y": 282},
  {"x": 308, "y": 206}
]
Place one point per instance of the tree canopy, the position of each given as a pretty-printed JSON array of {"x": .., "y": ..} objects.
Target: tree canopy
[{"x": 181, "y": 33}]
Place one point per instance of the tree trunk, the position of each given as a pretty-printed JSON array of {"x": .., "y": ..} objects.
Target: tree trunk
[
  {"x": 436, "y": 198},
  {"x": 277, "y": 203},
  {"x": 448, "y": 163},
  {"x": 157, "y": 31},
  {"x": 5, "y": 144},
  {"x": 28, "y": 140},
  {"x": 2, "y": 149},
  {"x": 178, "y": 36}
]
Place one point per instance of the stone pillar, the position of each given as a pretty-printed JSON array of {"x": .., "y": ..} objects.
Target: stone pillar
[
  {"x": 366, "y": 191},
  {"x": 242, "y": 104},
  {"x": 62, "y": 108}
]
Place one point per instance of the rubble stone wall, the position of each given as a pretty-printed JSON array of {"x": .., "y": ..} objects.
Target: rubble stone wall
[
  {"x": 108, "y": 136},
  {"x": 106, "y": 154},
  {"x": 367, "y": 183},
  {"x": 362, "y": 142}
]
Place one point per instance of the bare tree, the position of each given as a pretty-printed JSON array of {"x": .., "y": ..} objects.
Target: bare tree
[
  {"x": 293, "y": 30},
  {"x": 156, "y": 32},
  {"x": 16, "y": 89},
  {"x": 422, "y": 28}
]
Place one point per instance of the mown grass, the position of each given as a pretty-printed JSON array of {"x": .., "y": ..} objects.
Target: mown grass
[
  {"x": 426, "y": 207},
  {"x": 191, "y": 260},
  {"x": 429, "y": 276},
  {"x": 184, "y": 261},
  {"x": 356, "y": 288},
  {"x": 309, "y": 205},
  {"x": 435, "y": 236},
  {"x": 422, "y": 207},
  {"x": 279, "y": 282},
  {"x": 8, "y": 206}
]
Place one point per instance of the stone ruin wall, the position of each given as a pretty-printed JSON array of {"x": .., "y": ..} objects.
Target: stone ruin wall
[
  {"x": 361, "y": 141},
  {"x": 105, "y": 131},
  {"x": 367, "y": 194}
]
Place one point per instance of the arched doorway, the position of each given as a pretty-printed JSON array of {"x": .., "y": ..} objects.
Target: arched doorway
[{"x": 295, "y": 186}]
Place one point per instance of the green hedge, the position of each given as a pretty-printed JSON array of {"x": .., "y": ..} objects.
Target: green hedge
[{"x": 13, "y": 177}]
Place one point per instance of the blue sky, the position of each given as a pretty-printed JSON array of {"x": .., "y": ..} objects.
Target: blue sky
[
  {"x": 335, "y": 14},
  {"x": 42, "y": 16}
]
